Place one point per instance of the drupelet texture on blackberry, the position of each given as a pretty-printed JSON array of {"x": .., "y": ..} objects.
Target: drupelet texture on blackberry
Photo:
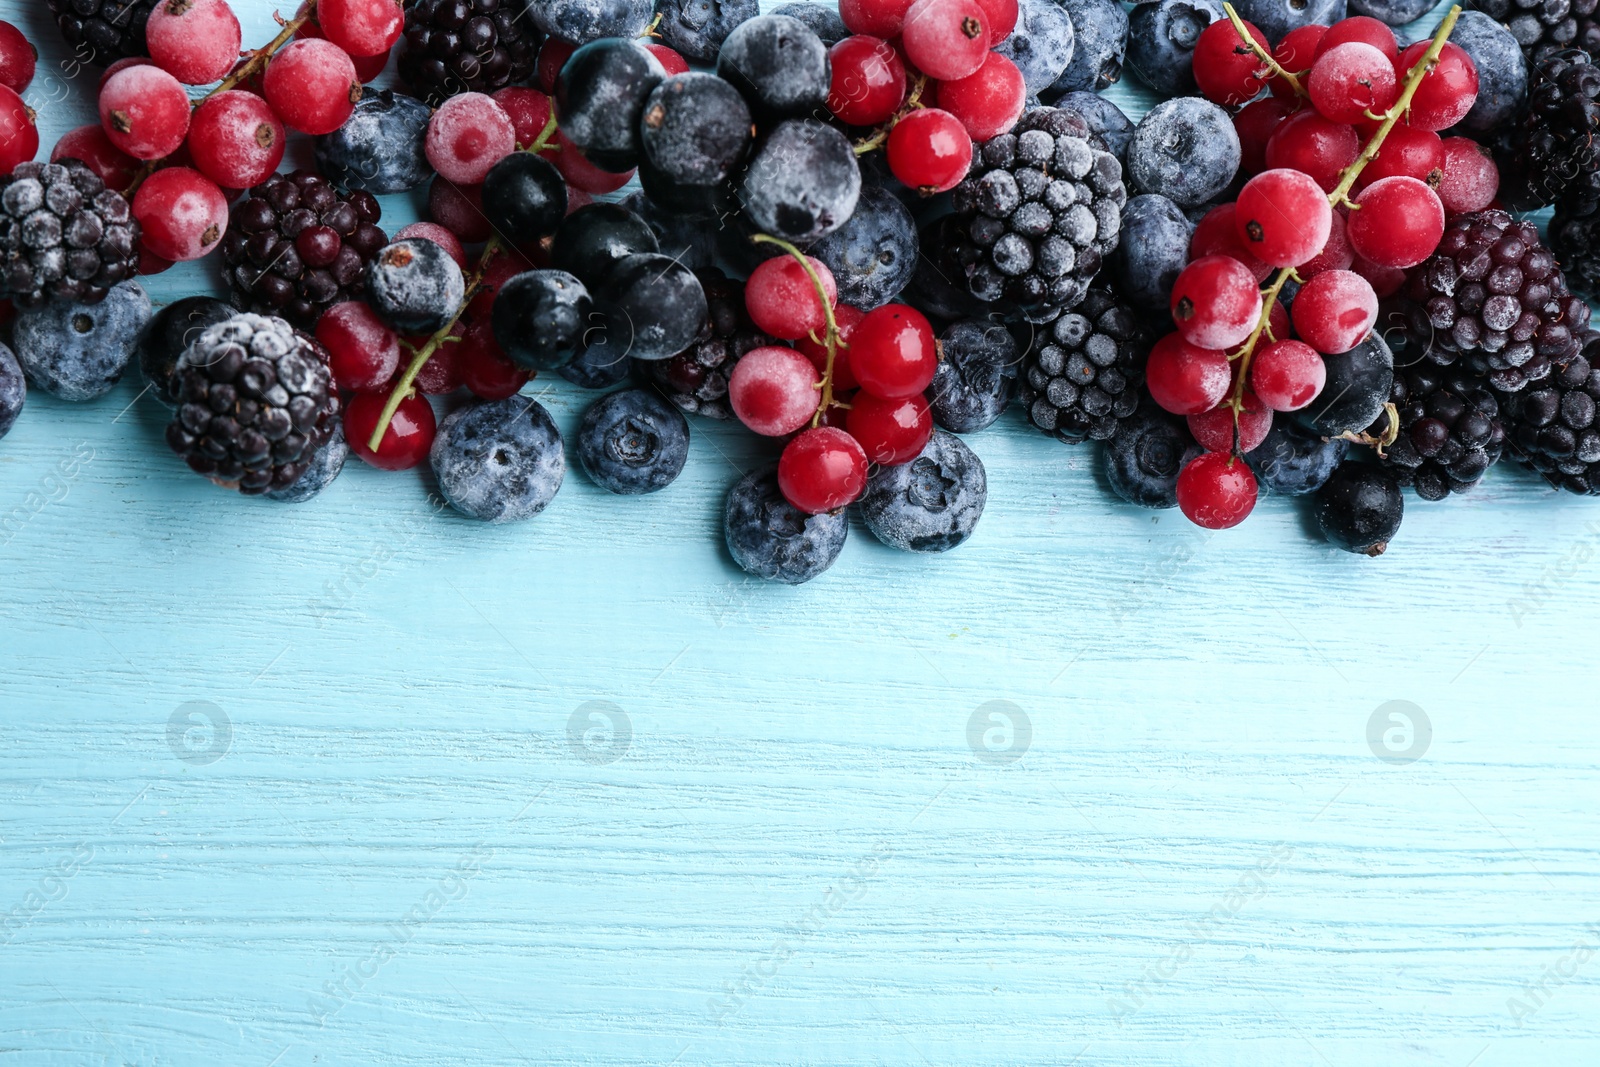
[
  {"x": 63, "y": 234},
  {"x": 255, "y": 402},
  {"x": 1492, "y": 300},
  {"x": 1545, "y": 26},
  {"x": 1552, "y": 152},
  {"x": 1554, "y": 426},
  {"x": 103, "y": 31},
  {"x": 295, "y": 246},
  {"x": 1039, "y": 210},
  {"x": 696, "y": 379},
  {"x": 1084, "y": 372},
  {"x": 1450, "y": 430},
  {"x": 467, "y": 46},
  {"x": 1575, "y": 239}
]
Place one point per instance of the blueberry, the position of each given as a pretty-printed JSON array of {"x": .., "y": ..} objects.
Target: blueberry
[
  {"x": 1293, "y": 460},
  {"x": 689, "y": 241},
  {"x": 1100, "y": 28},
  {"x": 1502, "y": 72},
  {"x": 932, "y": 503},
  {"x": 600, "y": 96},
  {"x": 380, "y": 147},
  {"x": 540, "y": 318},
  {"x": 772, "y": 539},
  {"x": 414, "y": 285},
  {"x": 779, "y": 64},
  {"x": 597, "y": 367},
  {"x": 1103, "y": 118},
  {"x": 651, "y": 307},
  {"x": 594, "y": 238},
  {"x": 499, "y": 461},
  {"x": 1358, "y": 385},
  {"x": 524, "y": 198},
  {"x": 1153, "y": 249},
  {"x": 583, "y": 21},
  {"x": 1042, "y": 44},
  {"x": 873, "y": 255},
  {"x": 699, "y": 202},
  {"x": 803, "y": 182},
  {"x": 695, "y": 29},
  {"x": 823, "y": 19},
  {"x": 1161, "y": 37},
  {"x": 1393, "y": 12},
  {"x": 1359, "y": 508},
  {"x": 1186, "y": 149},
  {"x": 695, "y": 129},
  {"x": 976, "y": 379},
  {"x": 325, "y": 466},
  {"x": 13, "y": 390},
  {"x": 1275, "y": 18},
  {"x": 632, "y": 441},
  {"x": 169, "y": 333},
  {"x": 1145, "y": 456},
  {"x": 78, "y": 351}
]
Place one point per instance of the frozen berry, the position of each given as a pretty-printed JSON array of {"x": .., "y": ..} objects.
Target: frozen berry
[
  {"x": 415, "y": 286},
  {"x": 469, "y": 134},
  {"x": 774, "y": 390},
  {"x": 236, "y": 140},
  {"x": 196, "y": 41},
  {"x": 145, "y": 112},
  {"x": 181, "y": 212},
  {"x": 312, "y": 85}
]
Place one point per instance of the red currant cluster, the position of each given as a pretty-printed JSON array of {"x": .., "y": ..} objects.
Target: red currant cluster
[{"x": 1351, "y": 185}]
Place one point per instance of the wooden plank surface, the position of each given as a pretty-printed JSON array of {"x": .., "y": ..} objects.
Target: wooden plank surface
[{"x": 333, "y": 784}]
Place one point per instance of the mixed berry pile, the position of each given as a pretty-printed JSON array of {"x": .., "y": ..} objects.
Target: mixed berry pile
[{"x": 862, "y": 231}]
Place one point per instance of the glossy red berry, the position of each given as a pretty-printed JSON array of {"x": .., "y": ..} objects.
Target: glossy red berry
[
  {"x": 312, "y": 85},
  {"x": 528, "y": 110},
  {"x": 196, "y": 41},
  {"x": 362, "y": 27},
  {"x": 580, "y": 174},
  {"x": 1287, "y": 375},
  {"x": 1255, "y": 124},
  {"x": 891, "y": 432},
  {"x": 236, "y": 140},
  {"x": 879, "y": 18},
  {"x": 485, "y": 369},
  {"x": 929, "y": 151},
  {"x": 782, "y": 300},
  {"x": 1184, "y": 378},
  {"x": 1218, "y": 431},
  {"x": 18, "y": 58},
  {"x": 893, "y": 352},
  {"x": 1225, "y": 69},
  {"x": 987, "y": 102},
  {"x": 1283, "y": 217},
  {"x": 1397, "y": 222},
  {"x": 774, "y": 390},
  {"x": 182, "y": 214},
  {"x": 1446, "y": 93},
  {"x": 1363, "y": 28},
  {"x": 822, "y": 469},
  {"x": 145, "y": 112},
  {"x": 405, "y": 442},
  {"x": 1215, "y": 302},
  {"x": 671, "y": 61},
  {"x": 845, "y": 318},
  {"x": 1406, "y": 152},
  {"x": 1314, "y": 145},
  {"x": 945, "y": 39},
  {"x": 868, "y": 81},
  {"x": 432, "y": 231},
  {"x": 1336, "y": 253},
  {"x": 1216, "y": 490},
  {"x": 1469, "y": 178},
  {"x": 1335, "y": 310},
  {"x": 363, "y": 353},
  {"x": 91, "y": 145},
  {"x": 1001, "y": 18},
  {"x": 1350, "y": 80},
  {"x": 1216, "y": 235},
  {"x": 1295, "y": 54}
]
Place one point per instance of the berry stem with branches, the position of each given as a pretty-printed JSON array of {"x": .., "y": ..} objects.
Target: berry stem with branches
[
  {"x": 1273, "y": 67},
  {"x": 830, "y": 337},
  {"x": 879, "y": 136}
]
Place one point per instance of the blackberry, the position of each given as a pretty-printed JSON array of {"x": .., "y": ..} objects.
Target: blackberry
[
  {"x": 295, "y": 246},
  {"x": 1553, "y": 427},
  {"x": 1039, "y": 211},
  {"x": 255, "y": 403},
  {"x": 1492, "y": 300},
  {"x": 1552, "y": 153},
  {"x": 63, "y": 235},
  {"x": 1545, "y": 26},
  {"x": 103, "y": 31},
  {"x": 696, "y": 379},
  {"x": 1450, "y": 431},
  {"x": 1575, "y": 239},
  {"x": 466, "y": 46},
  {"x": 1084, "y": 373}
]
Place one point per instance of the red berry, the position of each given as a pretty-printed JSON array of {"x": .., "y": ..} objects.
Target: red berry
[
  {"x": 17, "y": 58},
  {"x": 1216, "y": 235},
  {"x": 506, "y": 265},
  {"x": 1398, "y": 222},
  {"x": 91, "y": 145},
  {"x": 405, "y": 442},
  {"x": 1447, "y": 92},
  {"x": 880, "y": 18},
  {"x": 367, "y": 67},
  {"x": 822, "y": 469},
  {"x": 846, "y": 319},
  {"x": 1001, "y": 18},
  {"x": 363, "y": 353},
  {"x": 1308, "y": 142},
  {"x": 196, "y": 41},
  {"x": 236, "y": 140},
  {"x": 1336, "y": 254},
  {"x": 1287, "y": 375},
  {"x": 484, "y": 367},
  {"x": 1216, "y": 490},
  {"x": 1363, "y": 28},
  {"x": 893, "y": 353},
  {"x": 945, "y": 39},
  {"x": 891, "y": 432},
  {"x": 1255, "y": 124},
  {"x": 150, "y": 263},
  {"x": 580, "y": 173},
  {"x": 988, "y": 102},
  {"x": 774, "y": 390},
  {"x": 312, "y": 85},
  {"x": 1283, "y": 217},
  {"x": 1224, "y": 67},
  {"x": 1215, "y": 302},
  {"x": 467, "y": 136},
  {"x": 1385, "y": 281},
  {"x": 783, "y": 302},
  {"x": 929, "y": 151},
  {"x": 553, "y": 55},
  {"x": 671, "y": 61},
  {"x": 1335, "y": 310},
  {"x": 1295, "y": 54},
  {"x": 1277, "y": 320},
  {"x": 459, "y": 209},
  {"x": 182, "y": 214},
  {"x": 1469, "y": 176},
  {"x": 432, "y": 231},
  {"x": 362, "y": 27},
  {"x": 1408, "y": 152},
  {"x": 145, "y": 112},
  {"x": 1184, "y": 378},
  {"x": 1350, "y": 80},
  {"x": 1214, "y": 430},
  {"x": 119, "y": 66},
  {"x": 528, "y": 110},
  {"x": 867, "y": 81},
  {"x": 442, "y": 373}
]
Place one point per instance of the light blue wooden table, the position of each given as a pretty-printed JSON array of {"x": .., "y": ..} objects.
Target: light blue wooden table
[{"x": 356, "y": 783}]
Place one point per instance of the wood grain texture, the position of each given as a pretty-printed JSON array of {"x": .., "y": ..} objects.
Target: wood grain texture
[{"x": 407, "y": 853}]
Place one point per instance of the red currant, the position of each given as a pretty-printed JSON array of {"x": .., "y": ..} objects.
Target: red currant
[
  {"x": 929, "y": 151},
  {"x": 846, "y": 319},
  {"x": 945, "y": 39},
  {"x": 671, "y": 61},
  {"x": 868, "y": 81},
  {"x": 1469, "y": 178},
  {"x": 19, "y": 137},
  {"x": 1409, "y": 152},
  {"x": 1295, "y": 54},
  {"x": 196, "y": 41},
  {"x": 362, "y": 27},
  {"x": 405, "y": 442},
  {"x": 582, "y": 175},
  {"x": 1255, "y": 124},
  {"x": 1397, "y": 222},
  {"x": 1446, "y": 93},
  {"x": 893, "y": 353},
  {"x": 432, "y": 231},
  {"x": 1335, "y": 310},
  {"x": 1309, "y": 143},
  {"x": 1214, "y": 430},
  {"x": 879, "y": 18},
  {"x": 484, "y": 367},
  {"x": 1216, "y": 235},
  {"x": 1363, "y": 28},
  {"x": 1224, "y": 68},
  {"x": 1215, "y": 302},
  {"x": 822, "y": 469},
  {"x": 774, "y": 390},
  {"x": 442, "y": 373},
  {"x": 553, "y": 55},
  {"x": 18, "y": 58},
  {"x": 506, "y": 265},
  {"x": 367, "y": 67},
  {"x": 1278, "y": 320},
  {"x": 91, "y": 145},
  {"x": 363, "y": 353},
  {"x": 1184, "y": 378},
  {"x": 182, "y": 214},
  {"x": 1350, "y": 80},
  {"x": 1385, "y": 281},
  {"x": 467, "y": 136},
  {"x": 891, "y": 432},
  {"x": 1283, "y": 217},
  {"x": 989, "y": 101},
  {"x": 1336, "y": 254},
  {"x": 783, "y": 302},
  {"x": 1001, "y": 18},
  {"x": 312, "y": 85},
  {"x": 236, "y": 140},
  {"x": 459, "y": 209},
  {"x": 1287, "y": 375},
  {"x": 528, "y": 110},
  {"x": 145, "y": 112},
  {"x": 1216, "y": 490}
]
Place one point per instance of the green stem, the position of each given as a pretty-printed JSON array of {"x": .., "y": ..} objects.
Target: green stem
[
  {"x": 830, "y": 338},
  {"x": 541, "y": 142},
  {"x": 1273, "y": 66}
]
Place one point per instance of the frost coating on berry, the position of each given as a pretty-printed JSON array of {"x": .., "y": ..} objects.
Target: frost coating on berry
[
  {"x": 977, "y": 378},
  {"x": 772, "y": 539},
  {"x": 13, "y": 389},
  {"x": 145, "y": 111},
  {"x": 1100, "y": 40},
  {"x": 467, "y": 136},
  {"x": 779, "y": 65},
  {"x": 1502, "y": 72},
  {"x": 631, "y": 441},
  {"x": 415, "y": 286},
  {"x": 197, "y": 41},
  {"x": 872, "y": 256},
  {"x": 931, "y": 504},
  {"x": 1041, "y": 45},
  {"x": 499, "y": 461},
  {"x": 583, "y": 21},
  {"x": 380, "y": 147},
  {"x": 1184, "y": 149},
  {"x": 600, "y": 96},
  {"x": 326, "y": 464},
  {"x": 803, "y": 181},
  {"x": 695, "y": 29},
  {"x": 63, "y": 234}
]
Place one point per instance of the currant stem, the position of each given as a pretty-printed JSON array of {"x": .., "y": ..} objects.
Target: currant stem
[
  {"x": 1273, "y": 66},
  {"x": 830, "y": 336},
  {"x": 541, "y": 142},
  {"x": 881, "y": 134},
  {"x": 402, "y": 388}
]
